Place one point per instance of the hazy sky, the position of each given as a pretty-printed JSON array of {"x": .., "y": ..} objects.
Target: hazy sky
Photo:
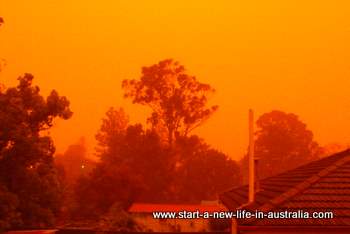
[{"x": 261, "y": 54}]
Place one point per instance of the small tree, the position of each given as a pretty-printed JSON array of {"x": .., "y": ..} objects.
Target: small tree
[{"x": 179, "y": 102}]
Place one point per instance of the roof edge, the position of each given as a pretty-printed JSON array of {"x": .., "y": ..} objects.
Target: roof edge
[
  {"x": 303, "y": 185},
  {"x": 300, "y": 187}
]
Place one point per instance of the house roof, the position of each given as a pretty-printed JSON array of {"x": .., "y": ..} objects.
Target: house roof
[
  {"x": 322, "y": 185},
  {"x": 152, "y": 207}
]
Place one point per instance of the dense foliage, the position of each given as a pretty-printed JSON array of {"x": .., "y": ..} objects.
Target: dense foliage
[
  {"x": 162, "y": 163},
  {"x": 179, "y": 102},
  {"x": 282, "y": 142},
  {"x": 27, "y": 173},
  {"x": 137, "y": 166}
]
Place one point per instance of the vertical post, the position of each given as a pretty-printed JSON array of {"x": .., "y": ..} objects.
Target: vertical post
[
  {"x": 234, "y": 226},
  {"x": 251, "y": 196}
]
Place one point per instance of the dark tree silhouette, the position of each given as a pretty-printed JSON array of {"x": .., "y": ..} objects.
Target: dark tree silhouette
[
  {"x": 136, "y": 165},
  {"x": 106, "y": 186},
  {"x": 178, "y": 101},
  {"x": 111, "y": 133},
  {"x": 26, "y": 153},
  {"x": 133, "y": 166},
  {"x": 202, "y": 172},
  {"x": 1, "y": 21},
  {"x": 282, "y": 142}
]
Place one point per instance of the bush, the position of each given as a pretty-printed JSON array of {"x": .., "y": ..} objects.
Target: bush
[{"x": 118, "y": 220}]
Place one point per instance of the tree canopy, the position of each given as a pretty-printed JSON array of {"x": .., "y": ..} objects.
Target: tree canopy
[
  {"x": 179, "y": 102},
  {"x": 26, "y": 153},
  {"x": 137, "y": 166},
  {"x": 111, "y": 132},
  {"x": 283, "y": 142},
  {"x": 202, "y": 172},
  {"x": 132, "y": 166}
]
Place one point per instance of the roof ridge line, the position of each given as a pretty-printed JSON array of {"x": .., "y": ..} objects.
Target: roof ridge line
[{"x": 303, "y": 185}]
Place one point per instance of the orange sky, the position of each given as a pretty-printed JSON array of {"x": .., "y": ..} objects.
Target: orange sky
[{"x": 261, "y": 54}]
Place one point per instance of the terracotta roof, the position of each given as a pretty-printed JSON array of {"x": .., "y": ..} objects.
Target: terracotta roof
[
  {"x": 322, "y": 185},
  {"x": 151, "y": 207}
]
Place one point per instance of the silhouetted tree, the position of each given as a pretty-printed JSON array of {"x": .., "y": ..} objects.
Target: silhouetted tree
[
  {"x": 1, "y": 21},
  {"x": 282, "y": 142},
  {"x": 136, "y": 165},
  {"x": 107, "y": 185},
  {"x": 26, "y": 153},
  {"x": 178, "y": 101},
  {"x": 202, "y": 172},
  {"x": 133, "y": 166},
  {"x": 111, "y": 134}
]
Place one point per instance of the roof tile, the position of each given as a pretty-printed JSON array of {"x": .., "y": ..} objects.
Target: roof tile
[{"x": 322, "y": 185}]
